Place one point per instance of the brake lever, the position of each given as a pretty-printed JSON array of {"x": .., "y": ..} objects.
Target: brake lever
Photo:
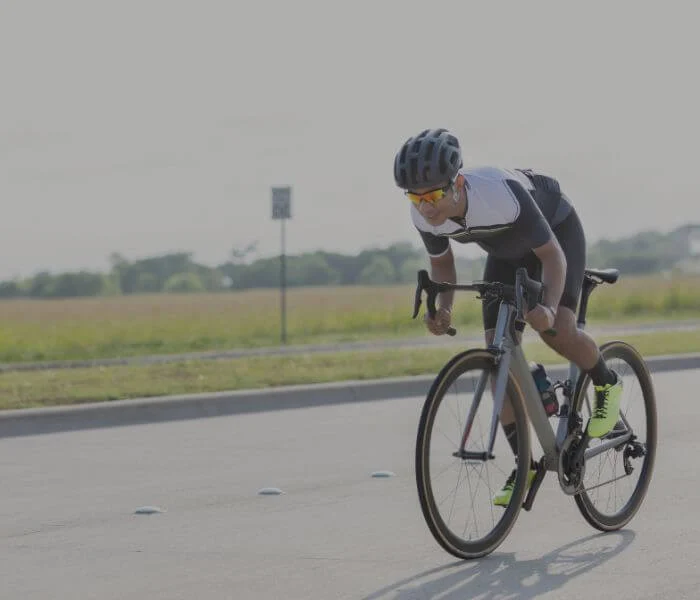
[
  {"x": 527, "y": 291},
  {"x": 531, "y": 293},
  {"x": 417, "y": 302},
  {"x": 424, "y": 283}
]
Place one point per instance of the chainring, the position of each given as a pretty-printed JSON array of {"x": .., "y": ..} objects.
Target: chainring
[{"x": 570, "y": 478}]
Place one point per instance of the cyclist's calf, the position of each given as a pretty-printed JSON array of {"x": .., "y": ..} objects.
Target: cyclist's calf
[{"x": 572, "y": 343}]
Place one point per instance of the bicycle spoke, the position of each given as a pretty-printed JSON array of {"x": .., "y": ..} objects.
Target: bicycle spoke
[
  {"x": 610, "y": 495},
  {"x": 463, "y": 494},
  {"x": 454, "y": 495}
]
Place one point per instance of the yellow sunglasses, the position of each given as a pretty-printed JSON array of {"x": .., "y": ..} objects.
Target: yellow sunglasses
[{"x": 431, "y": 197}]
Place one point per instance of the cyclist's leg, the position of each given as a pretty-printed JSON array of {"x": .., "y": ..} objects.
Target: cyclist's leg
[{"x": 573, "y": 343}]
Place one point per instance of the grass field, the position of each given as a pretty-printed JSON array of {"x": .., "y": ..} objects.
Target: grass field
[
  {"x": 91, "y": 328},
  {"x": 74, "y": 386}
]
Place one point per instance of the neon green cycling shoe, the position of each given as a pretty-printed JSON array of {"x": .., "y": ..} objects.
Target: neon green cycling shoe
[
  {"x": 606, "y": 410},
  {"x": 503, "y": 496}
]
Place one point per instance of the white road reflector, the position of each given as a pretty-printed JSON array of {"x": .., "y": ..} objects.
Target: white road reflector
[
  {"x": 270, "y": 491},
  {"x": 148, "y": 510},
  {"x": 383, "y": 474}
]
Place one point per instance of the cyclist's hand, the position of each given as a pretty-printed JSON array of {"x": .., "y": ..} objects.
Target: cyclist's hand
[
  {"x": 441, "y": 323},
  {"x": 541, "y": 318}
]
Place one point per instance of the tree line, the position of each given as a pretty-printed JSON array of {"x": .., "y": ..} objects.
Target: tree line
[{"x": 645, "y": 252}]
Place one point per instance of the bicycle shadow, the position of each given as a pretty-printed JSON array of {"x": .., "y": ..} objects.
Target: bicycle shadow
[{"x": 500, "y": 575}]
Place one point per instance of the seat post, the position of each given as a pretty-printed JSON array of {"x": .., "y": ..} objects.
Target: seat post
[{"x": 588, "y": 285}]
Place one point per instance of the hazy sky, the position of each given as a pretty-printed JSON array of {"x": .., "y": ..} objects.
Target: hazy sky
[{"x": 151, "y": 126}]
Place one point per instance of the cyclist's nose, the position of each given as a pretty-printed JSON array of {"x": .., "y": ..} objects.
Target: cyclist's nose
[{"x": 427, "y": 209}]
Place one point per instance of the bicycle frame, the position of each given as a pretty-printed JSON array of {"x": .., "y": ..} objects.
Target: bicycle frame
[{"x": 511, "y": 359}]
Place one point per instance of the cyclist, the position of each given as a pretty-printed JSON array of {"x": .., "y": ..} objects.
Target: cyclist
[{"x": 520, "y": 218}]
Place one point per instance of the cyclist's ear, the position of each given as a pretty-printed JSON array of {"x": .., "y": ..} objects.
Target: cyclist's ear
[{"x": 456, "y": 186}]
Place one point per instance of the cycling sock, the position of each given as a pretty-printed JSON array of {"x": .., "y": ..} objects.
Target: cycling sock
[
  {"x": 601, "y": 375},
  {"x": 511, "y": 436}
]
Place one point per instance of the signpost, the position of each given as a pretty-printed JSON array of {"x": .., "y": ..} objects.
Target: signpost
[{"x": 282, "y": 210}]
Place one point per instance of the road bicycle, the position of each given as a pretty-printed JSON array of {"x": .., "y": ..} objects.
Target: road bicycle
[{"x": 463, "y": 457}]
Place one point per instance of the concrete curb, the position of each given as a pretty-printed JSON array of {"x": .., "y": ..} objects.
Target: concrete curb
[{"x": 14, "y": 423}]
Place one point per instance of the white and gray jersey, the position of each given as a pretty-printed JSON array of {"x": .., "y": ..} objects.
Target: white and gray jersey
[{"x": 509, "y": 212}]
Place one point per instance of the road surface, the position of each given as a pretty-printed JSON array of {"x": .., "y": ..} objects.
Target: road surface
[{"x": 68, "y": 528}]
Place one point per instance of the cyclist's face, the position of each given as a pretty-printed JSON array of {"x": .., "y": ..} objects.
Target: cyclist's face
[{"x": 434, "y": 205}]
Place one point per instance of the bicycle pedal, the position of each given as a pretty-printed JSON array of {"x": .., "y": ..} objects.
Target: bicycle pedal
[{"x": 540, "y": 472}]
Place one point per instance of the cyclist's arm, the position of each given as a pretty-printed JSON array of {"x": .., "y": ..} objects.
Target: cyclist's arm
[
  {"x": 442, "y": 268},
  {"x": 553, "y": 272},
  {"x": 532, "y": 225},
  {"x": 442, "y": 265}
]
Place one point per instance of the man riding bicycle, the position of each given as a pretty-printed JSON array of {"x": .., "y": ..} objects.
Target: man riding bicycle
[{"x": 521, "y": 218}]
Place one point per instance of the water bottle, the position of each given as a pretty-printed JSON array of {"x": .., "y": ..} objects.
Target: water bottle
[{"x": 545, "y": 388}]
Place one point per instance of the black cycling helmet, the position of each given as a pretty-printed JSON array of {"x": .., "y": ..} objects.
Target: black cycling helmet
[{"x": 427, "y": 160}]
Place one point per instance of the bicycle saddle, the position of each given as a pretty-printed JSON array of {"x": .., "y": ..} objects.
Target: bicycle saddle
[{"x": 606, "y": 275}]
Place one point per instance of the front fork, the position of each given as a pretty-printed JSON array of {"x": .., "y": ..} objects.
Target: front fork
[{"x": 502, "y": 355}]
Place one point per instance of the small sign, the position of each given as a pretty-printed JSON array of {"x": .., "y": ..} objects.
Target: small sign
[{"x": 281, "y": 202}]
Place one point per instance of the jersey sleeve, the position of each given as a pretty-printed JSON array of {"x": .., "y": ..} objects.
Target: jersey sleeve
[
  {"x": 530, "y": 225},
  {"x": 435, "y": 245}
]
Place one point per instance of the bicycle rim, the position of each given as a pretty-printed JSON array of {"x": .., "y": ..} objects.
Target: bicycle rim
[
  {"x": 611, "y": 495},
  {"x": 456, "y": 494}
]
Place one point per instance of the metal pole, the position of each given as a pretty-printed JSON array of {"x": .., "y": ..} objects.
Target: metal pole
[{"x": 283, "y": 276}]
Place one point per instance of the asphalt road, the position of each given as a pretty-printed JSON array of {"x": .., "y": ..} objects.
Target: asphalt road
[{"x": 68, "y": 528}]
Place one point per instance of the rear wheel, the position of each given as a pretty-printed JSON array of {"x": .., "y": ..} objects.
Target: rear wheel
[
  {"x": 616, "y": 481},
  {"x": 455, "y": 489}
]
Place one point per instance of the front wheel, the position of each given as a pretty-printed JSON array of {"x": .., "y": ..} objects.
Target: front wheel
[
  {"x": 616, "y": 481},
  {"x": 456, "y": 485}
]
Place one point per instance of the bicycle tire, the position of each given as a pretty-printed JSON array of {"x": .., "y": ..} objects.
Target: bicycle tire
[
  {"x": 604, "y": 522},
  {"x": 470, "y": 360}
]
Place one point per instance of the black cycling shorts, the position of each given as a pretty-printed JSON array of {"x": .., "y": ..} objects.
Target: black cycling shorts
[{"x": 572, "y": 240}]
